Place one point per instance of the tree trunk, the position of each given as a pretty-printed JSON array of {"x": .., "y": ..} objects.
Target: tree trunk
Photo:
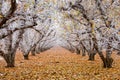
[
  {"x": 102, "y": 58},
  {"x": 92, "y": 56},
  {"x": 37, "y": 52},
  {"x": 108, "y": 60},
  {"x": 33, "y": 52},
  {"x": 83, "y": 52},
  {"x": 108, "y": 63},
  {"x": 10, "y": 55},
  {"x": 10, "y": 59},
  {"x": 26, "y": 57},
  {"x": 78, "y": 51},
  {"x": 72, "y": 51},
  {"x": 118, "y": 53}
]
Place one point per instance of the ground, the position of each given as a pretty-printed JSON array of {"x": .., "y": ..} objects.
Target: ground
[{"x": 59, "y": 64}]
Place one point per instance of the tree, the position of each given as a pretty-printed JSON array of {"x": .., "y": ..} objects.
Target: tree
[
  {"x": 12, "y": 26},
  {"x": 97, "y": 10},
  {"x": 35, "y": 25},
  {"x": 23, "y": 24}
]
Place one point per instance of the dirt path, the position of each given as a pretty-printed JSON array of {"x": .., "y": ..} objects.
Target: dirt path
[{"x": 59, "y": 64}]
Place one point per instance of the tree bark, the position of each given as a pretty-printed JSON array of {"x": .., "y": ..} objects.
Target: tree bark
[
  {"x": 92, "y": 56},
  {"x": 108, "y": 63},
  {"x": 33, "y": 52},
  {"x": 118, "y": 53},
  {"x": 26, "y": 57},
  {"x": 10, "y": 59},
  {"x": 78, "y": 51},
  {"x": 108, "y": 60},
  {"x": 83, "y": 52},
  {"x": 10, "y": 13}
]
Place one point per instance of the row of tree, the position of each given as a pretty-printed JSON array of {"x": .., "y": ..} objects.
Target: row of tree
[
  {"x": 92, "y": 26},
  {"x": 25, "y": 28},
  {"x": 78, "y": 25}
]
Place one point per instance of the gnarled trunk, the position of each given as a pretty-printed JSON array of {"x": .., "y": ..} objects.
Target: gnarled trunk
[
  {"x": 108, "y": 63},
  {"x": 108, "y": 60},
  {"x": 92, "y": 56},
  {"x": 10, "y": 59}
]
